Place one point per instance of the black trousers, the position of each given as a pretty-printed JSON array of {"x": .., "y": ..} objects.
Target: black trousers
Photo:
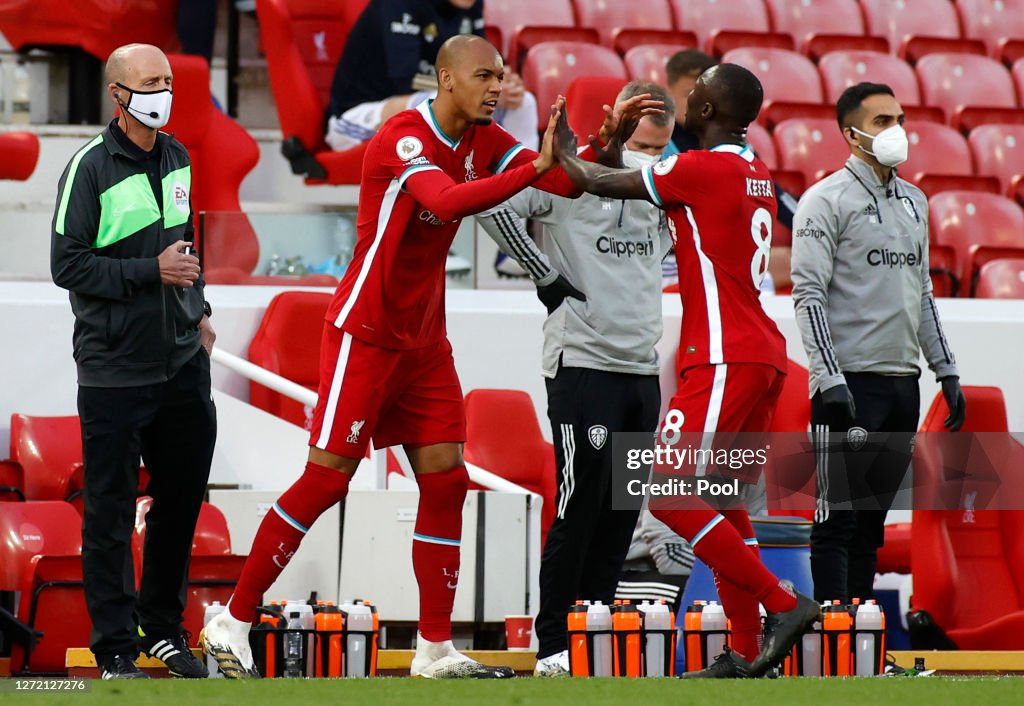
[
  {"x": 173, "y": 426},
  {"x": 588, "y": 540},
  {"x": 860, "y": 469}
]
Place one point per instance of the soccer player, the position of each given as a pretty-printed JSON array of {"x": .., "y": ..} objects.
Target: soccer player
[
  {"x": 387, "y": 372},
  {"x": 721, "y": 205}
]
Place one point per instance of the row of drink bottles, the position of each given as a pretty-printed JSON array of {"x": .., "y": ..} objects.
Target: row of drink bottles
[
  {"x": 297, "y": 639},
  {"x": 623, "y": 639},
  {"x": 849, "y": 640}
]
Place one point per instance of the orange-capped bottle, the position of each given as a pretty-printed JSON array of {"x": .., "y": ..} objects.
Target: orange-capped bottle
[
  {"x": 838, "y": 653},
  {"x": 627, "y": 649},
  {"x": 579, "y": 655},
  {"x": 692, "y": 636},
  {"x": 376, "y": 637}
]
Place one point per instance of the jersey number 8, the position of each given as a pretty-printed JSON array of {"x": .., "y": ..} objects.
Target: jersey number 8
[{"x": 761, "y": 232}]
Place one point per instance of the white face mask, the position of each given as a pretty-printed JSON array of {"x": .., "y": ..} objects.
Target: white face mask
[
  {"x": 632, "y": 159},
  {"x": 151, "y": 108},
  {"x": 889, "y": 147}
]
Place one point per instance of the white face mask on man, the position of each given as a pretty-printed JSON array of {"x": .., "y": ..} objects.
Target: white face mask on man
[
  {"x": 151, "y": 108},
  {"x": 634, "y": 159},
  {"x": 889, "y": 147}
]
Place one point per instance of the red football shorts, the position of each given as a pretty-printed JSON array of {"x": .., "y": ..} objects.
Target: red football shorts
[
  {"x": 394, "y": 397},
  {"x": 722, "y": 400}
]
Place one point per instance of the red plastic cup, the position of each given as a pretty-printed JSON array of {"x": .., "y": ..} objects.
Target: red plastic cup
[{"x": 518, "y": 631}]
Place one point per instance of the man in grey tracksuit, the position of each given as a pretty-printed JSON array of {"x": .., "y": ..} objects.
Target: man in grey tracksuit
[
  {"x": 865, "y": 309},
  {"x": 600, "y": 363}
]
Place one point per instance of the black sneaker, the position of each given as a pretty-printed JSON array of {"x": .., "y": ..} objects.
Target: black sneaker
[
  {"x": 120, "y": 667},
  {"x": 727, "y": 665},
  {"x": 175, "y": 653},
  {"x": 786, "y": 629}
]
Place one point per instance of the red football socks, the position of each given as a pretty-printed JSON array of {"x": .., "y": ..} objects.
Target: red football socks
[
  {"x": 717, "y": 543},
  {"x": 281, "y": 532},
  {"x": 435, "y": 549},
  {"x": 740, "y": 605}
]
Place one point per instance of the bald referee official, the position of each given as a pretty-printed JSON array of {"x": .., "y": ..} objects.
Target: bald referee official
[{"x": 865, "y": 309}]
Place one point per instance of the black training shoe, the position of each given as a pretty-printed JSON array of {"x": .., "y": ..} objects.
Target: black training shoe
[
  {"x": 176, "y": 654},
  {"x": 120, "y": 667},
  {"x": 727, "y": 665},
  {"x": 786, "y": 629}
]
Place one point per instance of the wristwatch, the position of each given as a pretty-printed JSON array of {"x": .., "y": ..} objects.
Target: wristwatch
[{"x": 207, "y": 309}]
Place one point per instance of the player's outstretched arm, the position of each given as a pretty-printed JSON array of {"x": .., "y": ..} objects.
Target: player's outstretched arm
[{"x": 595, "y": 178}]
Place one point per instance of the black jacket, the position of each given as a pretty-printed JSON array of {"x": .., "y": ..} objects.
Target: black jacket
[{"x": 117, "y": 209}]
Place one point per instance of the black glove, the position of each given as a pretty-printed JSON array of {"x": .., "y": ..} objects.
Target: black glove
[
  {"x": 955, "y": 401},
  {"x": 552, "y": 295},
  {"x": 839, "y": 402}
]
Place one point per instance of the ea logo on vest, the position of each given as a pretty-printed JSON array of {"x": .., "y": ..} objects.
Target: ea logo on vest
[{"x": 180, "y": 193}]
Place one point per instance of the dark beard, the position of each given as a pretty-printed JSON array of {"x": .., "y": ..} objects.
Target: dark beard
[{"x": 483, "y": 121}]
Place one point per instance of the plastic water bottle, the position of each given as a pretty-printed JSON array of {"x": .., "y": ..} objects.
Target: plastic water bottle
[
  {"x": 294, "y": 648},
  {"x": 308, "y": 622},
  {"x": 867, "y": 631},
  {"x": 810, "y": 651},
  {"x": 657, "y": 626},
  {"x": 713, "y": 624},
  {"x": 359, "y": 629},
  {"x": 212, "y": 611},
  {"x": 599, "y": 619}
]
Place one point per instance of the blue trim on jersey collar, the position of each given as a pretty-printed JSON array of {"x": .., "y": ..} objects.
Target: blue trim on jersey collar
[
  {"x": 428, "y": 114},
  {"x": 744, "y": 151}
]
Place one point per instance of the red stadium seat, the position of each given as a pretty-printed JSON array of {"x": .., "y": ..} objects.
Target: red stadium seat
[
  {"x": 943, "y": 271},
  {"x": 19, "y": 152},
  {"x": 998, "y": 151},
  {"x": 980, "y": 227},
  {"x": 41, "y": 564},
  {"x": 48, "y": 449},
  {"x": 512, "y": 15},
  {"x": 814, "y": 147},
  {"x": 916, "y": 48},
  {"x": 628, "y": 38},
  {"x": 706, "y": 17},
  {"x": 790, "y": 479},
  {"x": 584, "y": 99},
  {"x": 967, "y": 563},
  {"x": 504, "y": 437},
  {"x": 935, "y": 149},
  {"x": 804, "y": 19},
  {"x": 787, "y": 77},
  {"x": 721, "y": 43},
  {"x": 821, "y": 44},
  {"x": 952, "y": 81},
  {"x": 932, "y": 184},
  {"x": 841, "y": 69},
  {"x": 1001, "y": 279},
  {"x": 12, "y": 481},
  {"x": 303, "y": 40},
  {"x": 992, "y": 21},
  {"x": 221, "y": 150},
  {"x": 646, "y": 62},
  {"x": 899, "y": 20},
  {"x": 607, "y": 17},
  {"x": 287, "y": 342},
  {"x": 551, "y": 67},
  {"x": 1018, "y": 78},
  {"x": 761, "y": 140},
  {"x": 1010, "y": 52},
  {"x": 528, "y": 37},
  {"x": 96, "y": 26}
]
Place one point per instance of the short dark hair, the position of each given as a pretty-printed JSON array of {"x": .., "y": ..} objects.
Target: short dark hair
[
  {"x": 688, "y": 62},
  {"x": 853, "y": 96},
  {"x": 658, "y": 93}
]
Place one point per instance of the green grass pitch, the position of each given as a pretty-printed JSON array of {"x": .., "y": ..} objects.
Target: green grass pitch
[{"x": 931, "y": 691}]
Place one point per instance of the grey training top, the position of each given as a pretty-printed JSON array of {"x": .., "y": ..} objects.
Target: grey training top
[
  {"x": 861, "y": 286},
  {"x": 609, "y": 249}
]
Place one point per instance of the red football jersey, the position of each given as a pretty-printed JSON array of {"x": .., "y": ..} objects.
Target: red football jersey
[
  {"x": 392, "y": 294},
  {"x": 721, "y": 206}
]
